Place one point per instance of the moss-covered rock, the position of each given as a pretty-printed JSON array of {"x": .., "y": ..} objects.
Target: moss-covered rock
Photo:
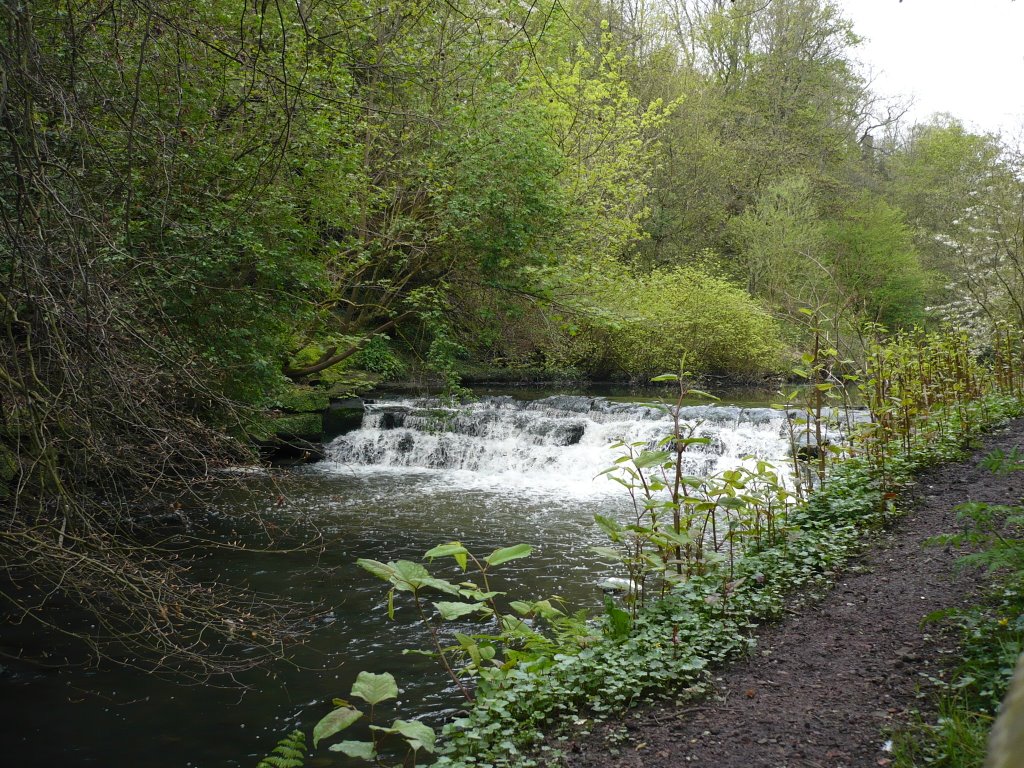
[
  {"x": 343, "y": 416},
  {"x": 353, "y": 384},
  {"x": 306, "y": 426},
  {"x": 303, "y": 400}
]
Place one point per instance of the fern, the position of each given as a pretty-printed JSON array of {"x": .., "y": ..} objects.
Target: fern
[{"x": 290, "y": 752}]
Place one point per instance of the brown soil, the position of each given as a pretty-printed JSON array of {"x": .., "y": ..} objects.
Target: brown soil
[{"x": 822, "y": 687}]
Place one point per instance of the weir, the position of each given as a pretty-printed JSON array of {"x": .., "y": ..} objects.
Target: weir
[
  {"x": 557, "y": 443},
  {"x": 416, "y": 473}
]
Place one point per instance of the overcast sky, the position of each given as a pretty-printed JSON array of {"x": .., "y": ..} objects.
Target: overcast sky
[{"x": 965, "y": 57}]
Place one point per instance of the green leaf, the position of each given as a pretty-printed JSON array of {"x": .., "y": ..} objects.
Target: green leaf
[
  {"x": 453, "y": 549},
  {"x": 607, "y": 553},
  {"x": 682, "y": 538},
  {"x": 665, "y": 377},
  {"x": 521, "y": 607},
  {"x": 441, "y": 585},
  {"x": 546, "y": 610},
  {"x": 701, "y": 393},
  {"x": 380, "y": 570},
  {"x": 417, "y": 734},
  {"x": 450, "y": 611},
  {"x": 475, "y": 594},
  {"x": 335, "y": 721},
  {"x": 373, "y": 689},
  {"x": 620, "y": 623},
  {"x": 361, "y": 749},
  {"x": 651, "y": 459},
  {"x": 503, "y": 555},
  {"x": 408, "y": 575},
  {"x": 608, "y": 525},
  {"x": 513, "y": 625}
]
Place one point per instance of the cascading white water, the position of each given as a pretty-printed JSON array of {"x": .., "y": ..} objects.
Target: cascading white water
[{"x": 559, "y": 444}]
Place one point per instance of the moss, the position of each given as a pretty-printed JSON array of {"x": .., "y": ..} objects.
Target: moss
[
  {"x": 353, "y": 384},
  {"x": 257, "y": 430},
  {"x": 303, "y": 400},
  {"x": 343, "y": 416},
  {"x": 314, "y": 352},
  {"x": 308, "y": 426}
]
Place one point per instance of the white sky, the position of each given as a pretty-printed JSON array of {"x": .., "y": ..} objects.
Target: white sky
[{"x": 965, "y": 57}]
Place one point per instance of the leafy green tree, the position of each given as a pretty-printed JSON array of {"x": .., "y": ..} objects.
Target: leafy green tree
[
  {"x": 876, "y": 266},
  {"x": 687, "y": 314},
  {"x": 768, "y": 91},
  {"x": 781, "y": 242},
  {"x": 963, "y": 194}
]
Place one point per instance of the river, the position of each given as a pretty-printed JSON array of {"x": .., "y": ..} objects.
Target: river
[{"x": 495, "y": 472}]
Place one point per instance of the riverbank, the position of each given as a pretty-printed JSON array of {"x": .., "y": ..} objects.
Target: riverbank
[{"x": 829, "y": 683}]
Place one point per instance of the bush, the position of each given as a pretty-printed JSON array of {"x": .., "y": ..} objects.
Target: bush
[{"x": 671, "y": 314}]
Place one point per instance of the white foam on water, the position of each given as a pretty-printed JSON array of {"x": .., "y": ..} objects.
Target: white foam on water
[{"x": 557, "y": 446}]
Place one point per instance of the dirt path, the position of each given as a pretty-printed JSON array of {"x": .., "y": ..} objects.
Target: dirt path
[{"x": 823, "y": 685}]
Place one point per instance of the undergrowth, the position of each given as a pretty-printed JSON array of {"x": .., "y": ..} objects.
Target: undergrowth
[
  {"x": 991, "y": 639},
  {"x": 677, "y": 639}
]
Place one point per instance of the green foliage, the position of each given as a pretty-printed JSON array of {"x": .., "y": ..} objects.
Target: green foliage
[
  {"x": 991, "y": 640},
  {"x": 685, "y": 313},
  {"x": 960, "y": 191},
  {"x": 672, "y": 641},
  {"x": 377, "y": 356},
  {"x": 779, "y": 238},
  {"x": 957, "y": 740},
  {"x": 877, "y": 266},
  {"x": 373, "y": 689},
  {"x": 703, "y": 618},
  {"x": 507, "y": 207},
  {"x": 928, "y": 388},
  {"x": 338, "y": 720},
  {"x": 290, "y": 752},
  {"x": 817, "y": 409}
]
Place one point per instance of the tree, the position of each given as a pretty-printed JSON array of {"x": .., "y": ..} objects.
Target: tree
[
  {"x": 151, "y": 267},
  {"x": 780, "y": 242},
  {"x": 876, "y": 266},
  {"x": 767, "y": 91},
  {"x": 963, "y": 194}
]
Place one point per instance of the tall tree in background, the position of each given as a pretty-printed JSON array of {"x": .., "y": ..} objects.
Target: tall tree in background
[
  {"x": 767, "y": 90},
  {"x": 963, "y": 193}
]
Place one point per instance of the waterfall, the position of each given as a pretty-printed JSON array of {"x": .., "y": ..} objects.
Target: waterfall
[{"x": 558, "y": 444}]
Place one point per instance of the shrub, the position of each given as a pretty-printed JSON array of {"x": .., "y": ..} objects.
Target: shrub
[{"x": 671, "y": 314}]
